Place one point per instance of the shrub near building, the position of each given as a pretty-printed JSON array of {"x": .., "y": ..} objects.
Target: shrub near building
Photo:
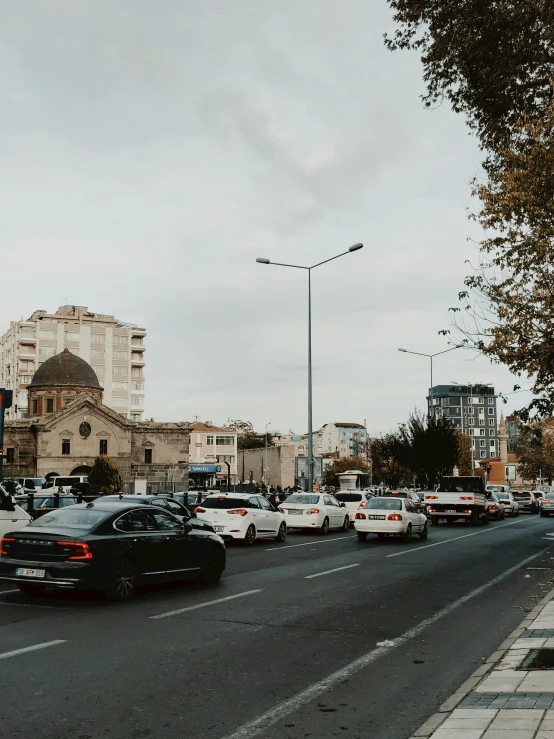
[{"x": 104, "y": 477}]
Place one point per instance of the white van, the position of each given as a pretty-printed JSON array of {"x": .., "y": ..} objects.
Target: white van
[
  {"x": 12, "y": 517},
  {"x": 65, "y": 482}
]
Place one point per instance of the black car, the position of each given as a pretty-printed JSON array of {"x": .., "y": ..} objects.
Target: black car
[
  {"x": 108, "y": 546},
  {"x": 168, "y": 504}
]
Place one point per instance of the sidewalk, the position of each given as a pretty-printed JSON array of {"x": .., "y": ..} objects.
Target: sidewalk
[{"x": 505, "y": 698}]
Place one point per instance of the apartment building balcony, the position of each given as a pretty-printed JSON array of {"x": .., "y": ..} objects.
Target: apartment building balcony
[
  {"x": 135, "y": 362},
  {"x": 138, "y": 332},
  {"x": 137, "y": 386},
  {"x": 28, "y": 340},
  {"x": 27, "y": 353}
]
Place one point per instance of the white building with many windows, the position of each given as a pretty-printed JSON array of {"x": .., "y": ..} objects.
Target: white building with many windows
[
  {"x": 115, "y": 350},
  {"x": 210, "y": 447}
]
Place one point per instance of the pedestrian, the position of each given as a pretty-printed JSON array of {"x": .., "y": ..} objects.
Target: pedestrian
[{"x": 60, "y": 489}]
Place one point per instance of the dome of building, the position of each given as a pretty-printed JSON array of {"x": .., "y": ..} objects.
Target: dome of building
[{"x": 65, "y": 369}]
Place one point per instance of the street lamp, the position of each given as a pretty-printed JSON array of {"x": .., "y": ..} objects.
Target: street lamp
[
  {"x": 480, "y": 384},
  {"x": 263, "y": 260},
  {"x": 431, "y": 356}
]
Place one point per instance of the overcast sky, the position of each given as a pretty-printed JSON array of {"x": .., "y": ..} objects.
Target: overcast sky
[{"x": 150, "y": 151}]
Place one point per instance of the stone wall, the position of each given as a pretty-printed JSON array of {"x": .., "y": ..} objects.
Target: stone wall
[{"x": 280, "y": 461}]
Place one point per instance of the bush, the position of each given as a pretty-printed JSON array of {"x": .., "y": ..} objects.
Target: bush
[{"x": 104, "y": 477}]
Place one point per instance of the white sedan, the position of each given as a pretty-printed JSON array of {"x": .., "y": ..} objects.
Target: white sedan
[
  {"x": 547, "y": 505},
  {"x": 244, "y": 517},
  {"x": 315, "y": 511},
  {"x": 390, "y": 516},
  {"x": 510, "y": 505}
]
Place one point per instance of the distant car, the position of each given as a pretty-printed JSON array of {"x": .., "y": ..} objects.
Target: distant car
[
  {"x": 526, "y": 501},
  {"x": 547, "y": 505},
  {"x": 508, "y": 502},
  {"x": 417, "y": 501},
  {"x": 243, "y": 517},
  {"x": 108, "y": 546},
  {"x": 168, "y": 504},
  {"x": 315, "y": 511},
  {"x": 390, "y": 516},
  {"x": 31, "y": 483},
  {"x": 353, "y": 501},
  {"x": 495, "y": 508}
]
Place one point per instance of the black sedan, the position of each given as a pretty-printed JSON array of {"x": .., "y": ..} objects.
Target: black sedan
[
  {"x": 108, "y": 546},
  {"x": 168, "y": 504}
]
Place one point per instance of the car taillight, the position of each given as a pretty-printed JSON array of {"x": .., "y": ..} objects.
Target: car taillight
[
  {"x": 362, "y": 505},
  {"x": 199, "y": 510},
  {"x": 394, "y": 517},
  {"x": 6, "y": 540},
  {"x": 282, "y": 510},
  {"x": 432, "y": 510},
  {"x": 543, "y": 501},
  {"x": 492, "y": 507},
  {"x": 76, "y": 549},
  {"x": 238, "y": 512},
  {"x": 312, "y": 510},
  {"x": 360, "y": 515},
  {"x": 431, "y": 497},
  {"x": 468, "y": 510}
]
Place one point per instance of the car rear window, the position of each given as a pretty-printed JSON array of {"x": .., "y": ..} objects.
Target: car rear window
[
  {"x": 502, "y": 496},
  {"x": 550, "y": 496},
  {"x": 71, "y": 518},
  {"x": 226, "y": 503},
  {"x": 386, "y": 504},
  {"x": 395, "y": 494},
  {"x": 304, "y": 499},
  {"x": 346, "y": 497},
  {"x": 521, "y": 495}
]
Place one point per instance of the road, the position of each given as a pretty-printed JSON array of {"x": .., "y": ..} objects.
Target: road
[{"x": 284, "y": 648}]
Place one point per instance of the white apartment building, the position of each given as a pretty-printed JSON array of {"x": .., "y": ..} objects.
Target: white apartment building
[
  {"x": 207, "y": 444},
  {"x": 341, "y": 440},
  {"x": 114, "y": 349}
]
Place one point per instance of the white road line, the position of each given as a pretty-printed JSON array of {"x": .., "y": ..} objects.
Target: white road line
[
  {"x": 310, "y": 543},
  {"x": 5, "y": 592},
  {"x": 447, "y": 541},
  {"x": 203, "y": 605},
  {"x": 34, "y": 648},
  {"x": 35, "y": 605},
  {"x": 261, "y": 724},
  {"x": 328, "y": 572}
]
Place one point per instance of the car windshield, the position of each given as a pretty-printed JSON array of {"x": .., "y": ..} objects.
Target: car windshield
[
  {"x": 71, "y": 518},
  {"x": 348, "y": 497},
  {"x": 383, "y": 504},
  {"x": 304, "y": 499},
  {"x": 226, "y": 503}
]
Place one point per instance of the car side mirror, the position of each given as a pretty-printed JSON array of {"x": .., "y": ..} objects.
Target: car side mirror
[{"x": 342, "y": 505}]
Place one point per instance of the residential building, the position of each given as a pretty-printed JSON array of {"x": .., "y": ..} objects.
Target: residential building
[
  {"x": 300, "y": 443},
  {"x": 471, "y": 409},
  {"x": 210, "y": 448},
  {"x": 341, "y": 440},
  {"x": 115, "y": 350}
]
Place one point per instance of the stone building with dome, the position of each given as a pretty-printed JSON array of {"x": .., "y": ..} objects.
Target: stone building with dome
[{"x": 68, "y": 426}]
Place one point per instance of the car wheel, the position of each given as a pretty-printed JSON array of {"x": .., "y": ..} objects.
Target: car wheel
[
  {"x": 123, "y": 581},
  {"x": 362, "y": 535},
  {"x": 282, "y": 533},
  {"x": 425, "y": 533},
  {"x": 346, "y": 524},
  {"x": 31, "y": 590},
  {"x": 325, "y": 527},
  {"x": 407, "y": 536},
  {"x": 211, "y": 573},
  {"x": 250, "y": 536}
]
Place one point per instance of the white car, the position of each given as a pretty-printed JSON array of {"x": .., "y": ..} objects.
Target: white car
[
  {"x": 390, "y": 516},
  {"x": 508, "y": 502},
  {"x": 354, "y": 500},
  {"x": 547, "y": 504},
  {"x": 244, "y": 517},
  {"x": 315, "y": 511},
  {"x": 12, "y": 517}
]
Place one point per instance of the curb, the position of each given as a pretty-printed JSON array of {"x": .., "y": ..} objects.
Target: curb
[{"x": 438, "y": 718}]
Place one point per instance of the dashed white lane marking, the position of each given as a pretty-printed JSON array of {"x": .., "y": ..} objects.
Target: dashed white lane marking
[
  {"x": 34, "y": 605},
  {"x": 203, "y": 605},
  {"x": 261, "y": 724},
  {"x": 328, "y": 572},
  {"x": 310, "y": 543},
  {"x": 456, "y": 538},
  {"x": 5, "y": 592},
  {"x": 34, "y": 648}
]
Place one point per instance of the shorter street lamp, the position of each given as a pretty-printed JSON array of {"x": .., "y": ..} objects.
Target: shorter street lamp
[{"x": 431, "y": 356}]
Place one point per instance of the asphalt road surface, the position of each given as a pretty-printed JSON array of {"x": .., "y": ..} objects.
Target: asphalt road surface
[{"x": 286, "y": 647}]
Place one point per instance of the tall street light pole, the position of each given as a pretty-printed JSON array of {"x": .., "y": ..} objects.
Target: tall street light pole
[
  {"x": 431, "y": 357},
  {"x": 263, "y": 260}
]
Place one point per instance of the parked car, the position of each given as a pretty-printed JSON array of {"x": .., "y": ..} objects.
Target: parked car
[
  {"x": 353, "y": 502},
  {"x": 65, "y": 482},
  {"x": 390, "y": 516},
  {"x": 508, "y": 502},
  {"x": 526, "y": 501},
  {"x": 315, "y": 511},
  {"x": 31, "y": 483},
  {"x": 167, "y": 504},
  {"x": 12, "y": 516},
  {"x": 244, "y": 517},
  {"x": 108, "y": 546},
  {"x": 547, "y": 504},
  {"x": 495, "y": 508},
  {"x": 410, "y": 495}
]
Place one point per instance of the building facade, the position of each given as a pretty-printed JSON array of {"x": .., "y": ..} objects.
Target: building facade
[
  {"x": 70, "y": 426},
  {"x": 341, "y": 440},
  {"x": 471, "y": 409},
  {"x": 211, "y": 446},
  {"x": 276, "y": 466},
  {"x": 114, "y": 349}
]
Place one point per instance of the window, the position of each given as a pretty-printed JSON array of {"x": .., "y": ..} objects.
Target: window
[
  {"x": 491, "y": 421},
  {"x": 265, "y": 505},
  {"x": 224, "y": 440},
  {"x": 135, "y": 416},
  {"x": 27, "y": 332},
  {"x": 35, "y": 408},
  {"x": 119, "y": 385},
  {"x": 119, "y": 402},
  {"x": 50, "y": 406},
  {"x": 103, "y": 446},
  {"x": 209, "y": 440},
  {"x": 482, "y": 442},
  {"x": 10, "y": 455},
  {"x": 99, "y": 369},
  {"x": 98, "y": 338},
  {"x": 136, "y": 357},
  {"x": 148, "y": 456},
  {"x": 66, "y": 446},
  {"x": 166, "y": 521},
  {"x": 137, "y": 400},
  {"x": 483, "y": 455},
  {"x": 25, "y": 379},
  {"x": 176, "y": 508},
  {"x": 491, "y": 411},
  {"x": 120, "y": 371},
  {"x": 481, "y": 432},
  {"x": 71, "y": 337},
  {"x": 135, "y": 521},
  {"x": 47, "y": 351},
  {"x": 493, "y": 444},
  {"x": 97, "y": 354},
  {"x": 121, "y": 355},
  {"x": 254, "y": 503},
  {"x": 46, "y": 334},
  {"x": 491, "y": 401},
  {"x": 136, "y": 373},
  {"x": 470, "y": 411},
  {"x": 481, "y": 422},
  {"x": 481, "y": 401},
  {"x": 120, "y": 340}
]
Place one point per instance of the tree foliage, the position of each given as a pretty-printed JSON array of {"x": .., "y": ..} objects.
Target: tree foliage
[
  {"x": 342, "y": 465},
  {"x": 247, "y": 438},
  {"x": 104, "y": 477},
  {"x": 432, "y": 446},
  {"x": 464, "y": 454},
  {"x": 390, "y": 459},
  {"x": 535, "y": 449}
]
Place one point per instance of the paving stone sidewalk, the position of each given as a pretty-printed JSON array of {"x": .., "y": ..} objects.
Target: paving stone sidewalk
[{"x": 505, "y": 698}]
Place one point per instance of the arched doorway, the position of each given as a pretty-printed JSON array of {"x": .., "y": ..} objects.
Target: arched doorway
[
  {"x": 51, "y": 474},
  {"x": 83, "y": 469}
]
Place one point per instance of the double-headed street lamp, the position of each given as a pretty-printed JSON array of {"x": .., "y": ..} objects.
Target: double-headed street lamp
[
  {"x": 262, "y": 260},
  {"x": 431, "y": 357}
]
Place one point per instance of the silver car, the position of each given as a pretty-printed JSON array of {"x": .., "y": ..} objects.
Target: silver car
[{"x": 508, "y": 502}]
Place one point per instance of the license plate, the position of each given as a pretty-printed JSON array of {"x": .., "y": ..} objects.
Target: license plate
[
  {"x": 218, "y": 528},
  {"x": 377, "y": 518},
  {"x": 450, "y": 511},
  {"x": 294, "y": 513},
  {"x": 26, "y": 572}
]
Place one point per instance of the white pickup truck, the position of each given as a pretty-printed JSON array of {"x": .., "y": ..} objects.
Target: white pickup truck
[
  {"x": 458, "y": 498},
  {"x": 12, "y": 517}
]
